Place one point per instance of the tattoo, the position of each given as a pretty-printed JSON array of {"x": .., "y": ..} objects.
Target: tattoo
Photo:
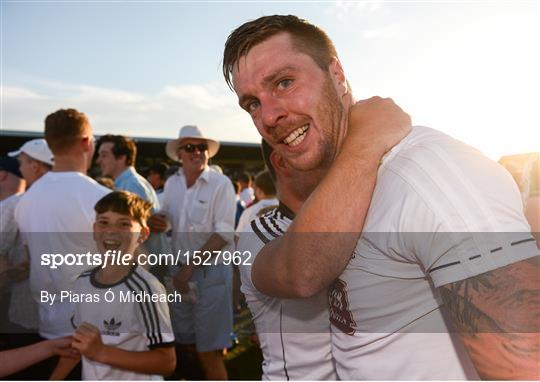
[
  {"x": 458, "y": 300},
  {"x": 497, "y": 315}
]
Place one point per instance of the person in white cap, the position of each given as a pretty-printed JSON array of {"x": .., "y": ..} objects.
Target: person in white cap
[
  {"x": 199, "y": 204},
  {"x": 35, "y": 160}
]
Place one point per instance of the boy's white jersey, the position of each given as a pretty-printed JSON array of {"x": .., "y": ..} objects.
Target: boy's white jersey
[
  {"x": 294, "y": 333},
  {"x": 132, "y": 326}
]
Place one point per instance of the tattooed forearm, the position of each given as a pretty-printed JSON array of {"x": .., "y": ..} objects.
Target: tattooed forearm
[{"x": 498, "y": 316}]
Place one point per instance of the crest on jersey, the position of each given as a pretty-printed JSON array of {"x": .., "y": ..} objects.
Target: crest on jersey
[
  {"x": 111, "y": 327},
  {"x": 340, "y": 314}
]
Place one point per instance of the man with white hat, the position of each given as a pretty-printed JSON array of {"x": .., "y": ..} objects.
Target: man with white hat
[
  {"x": 199, "y": 205},
  {"x": 35, "y": 159}
]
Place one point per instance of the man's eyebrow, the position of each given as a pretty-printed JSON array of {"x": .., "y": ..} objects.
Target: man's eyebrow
[
  {"x": 267, "y": 80},
  {"x": 273, "y": 76}
]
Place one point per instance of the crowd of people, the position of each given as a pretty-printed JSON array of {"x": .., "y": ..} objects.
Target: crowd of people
[
  {"x": 49, "y": 205},
  {"x": 374, "y": 249}
]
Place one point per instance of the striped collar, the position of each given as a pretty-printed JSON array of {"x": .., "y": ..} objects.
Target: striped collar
[{"x": 286, "y": 211}]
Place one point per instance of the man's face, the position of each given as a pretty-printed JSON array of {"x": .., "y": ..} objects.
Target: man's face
[
  {"x": 196, "y": 160},
  {"x": 294, "y": 104},
  {"x": 28, "y": 168},
  {"x": 110, "y": 166},
  {"x": 114, "y": 231}
]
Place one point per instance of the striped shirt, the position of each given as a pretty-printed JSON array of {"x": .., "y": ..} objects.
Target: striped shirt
[
  {"x": 294, "y": 333},
  {"x": 132, "y": 326}
]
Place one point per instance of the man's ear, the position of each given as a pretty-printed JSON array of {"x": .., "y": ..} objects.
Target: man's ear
[
  {"x": 87, "y": 144},
  {"x": 94, "y": 233},
  {"x": 338, "y": 76},
  {"x": 143, "y": 235}
]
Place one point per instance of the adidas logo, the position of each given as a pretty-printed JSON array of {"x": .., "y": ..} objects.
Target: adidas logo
[{"x": 111, "y": 327}]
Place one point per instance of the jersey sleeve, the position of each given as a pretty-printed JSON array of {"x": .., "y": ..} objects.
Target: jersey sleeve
[
  {"x": 248, "y": 243},
  {"x": 154, "y": 315},
  {"x": 461, "y": 215}
]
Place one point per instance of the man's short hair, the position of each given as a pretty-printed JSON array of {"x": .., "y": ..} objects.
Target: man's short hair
[
  {"x": 244, "y": 177},
  {"x": 159, "y": 168},
  {"x": 266, "y": 150},
  {"x": 264, "y": 182},
  {"x": 122, "y": 145},
  {"x": 306, "y": 38},
  {"x": 63, "y": 128},
  {"x": 125, "y": 203}
]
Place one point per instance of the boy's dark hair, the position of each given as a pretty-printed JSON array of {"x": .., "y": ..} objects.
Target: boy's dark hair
[
  {"x": 121, "y": 146},
  {"x": 63, "y": 128},
  {"x": 306, "y": 38},
  {"x": 125, "y": 203},
  {"x": 264, "y": 181},
  {"x": 266, "y": 150}
]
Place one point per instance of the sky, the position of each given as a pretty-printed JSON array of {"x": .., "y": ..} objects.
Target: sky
[{"x": 467, "y": 68}]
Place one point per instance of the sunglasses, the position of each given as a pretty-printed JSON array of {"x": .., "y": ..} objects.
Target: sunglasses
[{"x": 189, "y": 148}]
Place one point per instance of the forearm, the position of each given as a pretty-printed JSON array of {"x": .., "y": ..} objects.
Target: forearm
[
  {"x": 214, "y": 243},
  {"x": 17, "y": 359},
  {"x": 157, "y": 361},
  {"x": 318, "y": 245},
  {"x": 63, "y": 368}
]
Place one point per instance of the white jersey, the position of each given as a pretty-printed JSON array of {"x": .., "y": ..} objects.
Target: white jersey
[
  {"x": 132, "y": 326},
  {"x": 431, "y": 220},
  {"x": 294, "y": 333},
  {"x": 55, "y": 216},
  {"x": 252, "y": 212}
]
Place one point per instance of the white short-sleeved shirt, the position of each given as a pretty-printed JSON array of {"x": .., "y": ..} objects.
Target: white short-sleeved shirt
[
  {"x": 441, "y": 212},
  {"x": 22, "y": 308},
  {"x": 55, "y": 216},
  {"x": 294, "y": 333},
  {"x": 195, "y": 213},
  {"x": 132, "y": 326},
  {"x": 9, "y": 232},
  {"x": 247, "y": 196},
  {"x": 252, "y": 212}
]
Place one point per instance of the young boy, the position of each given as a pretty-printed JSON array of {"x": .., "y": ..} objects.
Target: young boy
[{"x": 121, "y": 340}]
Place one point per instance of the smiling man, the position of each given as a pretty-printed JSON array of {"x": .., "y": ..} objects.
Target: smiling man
[
  {"x": 199, "y": 204},
  {"x": 435, "y": 225},
  {"x": 116, "y": 159}
]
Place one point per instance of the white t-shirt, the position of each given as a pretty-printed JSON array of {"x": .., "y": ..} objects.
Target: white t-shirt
[
  {"x": 294, "y": 333},
  {"x": 252, "y": 212},
  {"x": 195, "y": 213},
  {"x": 441, "y": 212},
  {"x": 247, "y": 196},
  {"x": 132, "y": 326},
  {"x": 55, "y": 216}
]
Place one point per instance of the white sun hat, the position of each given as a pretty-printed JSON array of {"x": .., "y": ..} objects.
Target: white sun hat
[{"x": 190, "y": 131}]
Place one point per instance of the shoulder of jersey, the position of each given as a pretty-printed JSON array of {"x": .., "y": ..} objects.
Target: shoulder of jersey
[{"x": 271, "y": 225}]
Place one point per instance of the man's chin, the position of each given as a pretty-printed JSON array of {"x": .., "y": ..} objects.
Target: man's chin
[{"x": 306, "y": 161}]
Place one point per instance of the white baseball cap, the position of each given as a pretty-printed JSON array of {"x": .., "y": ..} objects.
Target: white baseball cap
[
  {"x": 36, "y": 149},
  {"x": 186, "y": 132}
]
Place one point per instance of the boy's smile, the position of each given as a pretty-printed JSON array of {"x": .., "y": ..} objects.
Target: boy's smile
[{"x": 114, "y": 231}]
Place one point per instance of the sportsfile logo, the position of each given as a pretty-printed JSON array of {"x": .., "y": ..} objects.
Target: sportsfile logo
[{"x": 111, "y": 327}]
